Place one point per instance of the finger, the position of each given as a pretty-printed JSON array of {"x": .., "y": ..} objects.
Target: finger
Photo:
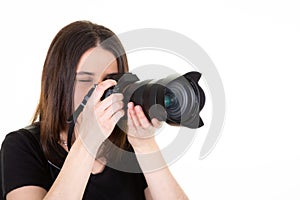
[
  {"x": 156, "y": 123},
  {"x": 132, "y": 129},
  {"x": 113, "y": 98},
  {"x": 142, "y": 117},
  {"x": 129, "y": 118},
  {"x": 101, "y": 87},
  {"x": 111, "y": 110},
  {"x": 130, "y": 105},
  {"x": 117, "y": 116},
  {"x": 134, "y": 117}
]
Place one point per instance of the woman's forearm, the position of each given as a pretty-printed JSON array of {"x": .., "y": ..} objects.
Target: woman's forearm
[
  {"x": 74, "y": 175},
  {"x": 161, "y": 183}
]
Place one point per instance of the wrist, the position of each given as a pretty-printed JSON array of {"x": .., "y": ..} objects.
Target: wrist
[
  {"x": 89, "y": 145},
  {"x": 149, "y": 157},
  {"x": 146, "y": 146},
  {"x": 90, "y": 140},
  {"x": 79, "y": 151}
]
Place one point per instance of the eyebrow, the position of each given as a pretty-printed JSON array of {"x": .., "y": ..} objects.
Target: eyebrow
[{"x": 85, "y": 73}]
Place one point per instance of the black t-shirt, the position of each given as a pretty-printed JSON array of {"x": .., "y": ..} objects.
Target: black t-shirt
[{"x": 23, "y": 163}]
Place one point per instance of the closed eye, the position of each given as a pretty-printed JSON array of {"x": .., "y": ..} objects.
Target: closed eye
[
  {"x": 85, "y": 80},
  {"x": 85, "y": 77}
]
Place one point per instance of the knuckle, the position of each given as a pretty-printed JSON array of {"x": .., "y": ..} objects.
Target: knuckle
[
  {"x": 117, "y": 106},
  {"x": 112, "y": 98},
  {"x": 121, "y": 96},
  {"x": 142, "y": 116},
  {"x": 121, "y": 104},
  {"x": 104, "y": 84},
  {"x": 117, "y": 96},
  {"x": 132, "y": 113},
  {"x": 120, "y": 114},
  {"x": 100, "y": 87}
]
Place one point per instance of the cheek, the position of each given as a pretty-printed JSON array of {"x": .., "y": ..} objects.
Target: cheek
[{"x": 81, "y": 89}]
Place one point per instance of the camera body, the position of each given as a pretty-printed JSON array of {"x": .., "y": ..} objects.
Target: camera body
[{"x": 176, "y": 99}]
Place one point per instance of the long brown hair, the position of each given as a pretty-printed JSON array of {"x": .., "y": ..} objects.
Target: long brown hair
[{"x": 58, "y": 80}]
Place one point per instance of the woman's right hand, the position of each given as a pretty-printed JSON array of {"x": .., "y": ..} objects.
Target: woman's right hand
[{"x": 99, "y": 118}]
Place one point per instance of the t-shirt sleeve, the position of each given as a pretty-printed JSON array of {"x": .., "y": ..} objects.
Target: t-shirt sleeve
[
  {"x": 22, "y": 163},
  {"x": 143, "y": 181}
]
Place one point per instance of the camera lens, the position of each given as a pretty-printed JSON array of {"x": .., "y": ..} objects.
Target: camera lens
[{"x": 170, "y": 100}]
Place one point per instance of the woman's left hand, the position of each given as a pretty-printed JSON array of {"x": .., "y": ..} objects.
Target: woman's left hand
[{"x": 141, "y": 131}]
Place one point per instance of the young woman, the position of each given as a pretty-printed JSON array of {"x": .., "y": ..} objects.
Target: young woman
[{"x": 36, "y": 162}]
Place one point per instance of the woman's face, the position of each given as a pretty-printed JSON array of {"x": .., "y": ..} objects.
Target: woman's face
[{"x": 94, "y": 65}]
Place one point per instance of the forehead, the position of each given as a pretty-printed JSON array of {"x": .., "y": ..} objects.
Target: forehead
[{"x": 97, "y": 60}]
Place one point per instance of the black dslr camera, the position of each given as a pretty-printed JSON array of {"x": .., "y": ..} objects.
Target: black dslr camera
[{"x": 175, "y": 99}]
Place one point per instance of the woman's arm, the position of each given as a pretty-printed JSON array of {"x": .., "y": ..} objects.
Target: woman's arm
[
  {"x": 69, "y": 184},
  {"x": 161, "y": 183},
  {"x": 74, "y": 175},
  {"x": 97, "y": 123}
]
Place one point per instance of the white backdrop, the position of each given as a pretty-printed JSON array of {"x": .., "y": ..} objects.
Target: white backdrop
[{"x": 255, "y": 46}]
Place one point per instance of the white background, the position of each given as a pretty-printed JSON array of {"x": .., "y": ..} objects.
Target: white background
[{"x": 255, "y": 46}]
